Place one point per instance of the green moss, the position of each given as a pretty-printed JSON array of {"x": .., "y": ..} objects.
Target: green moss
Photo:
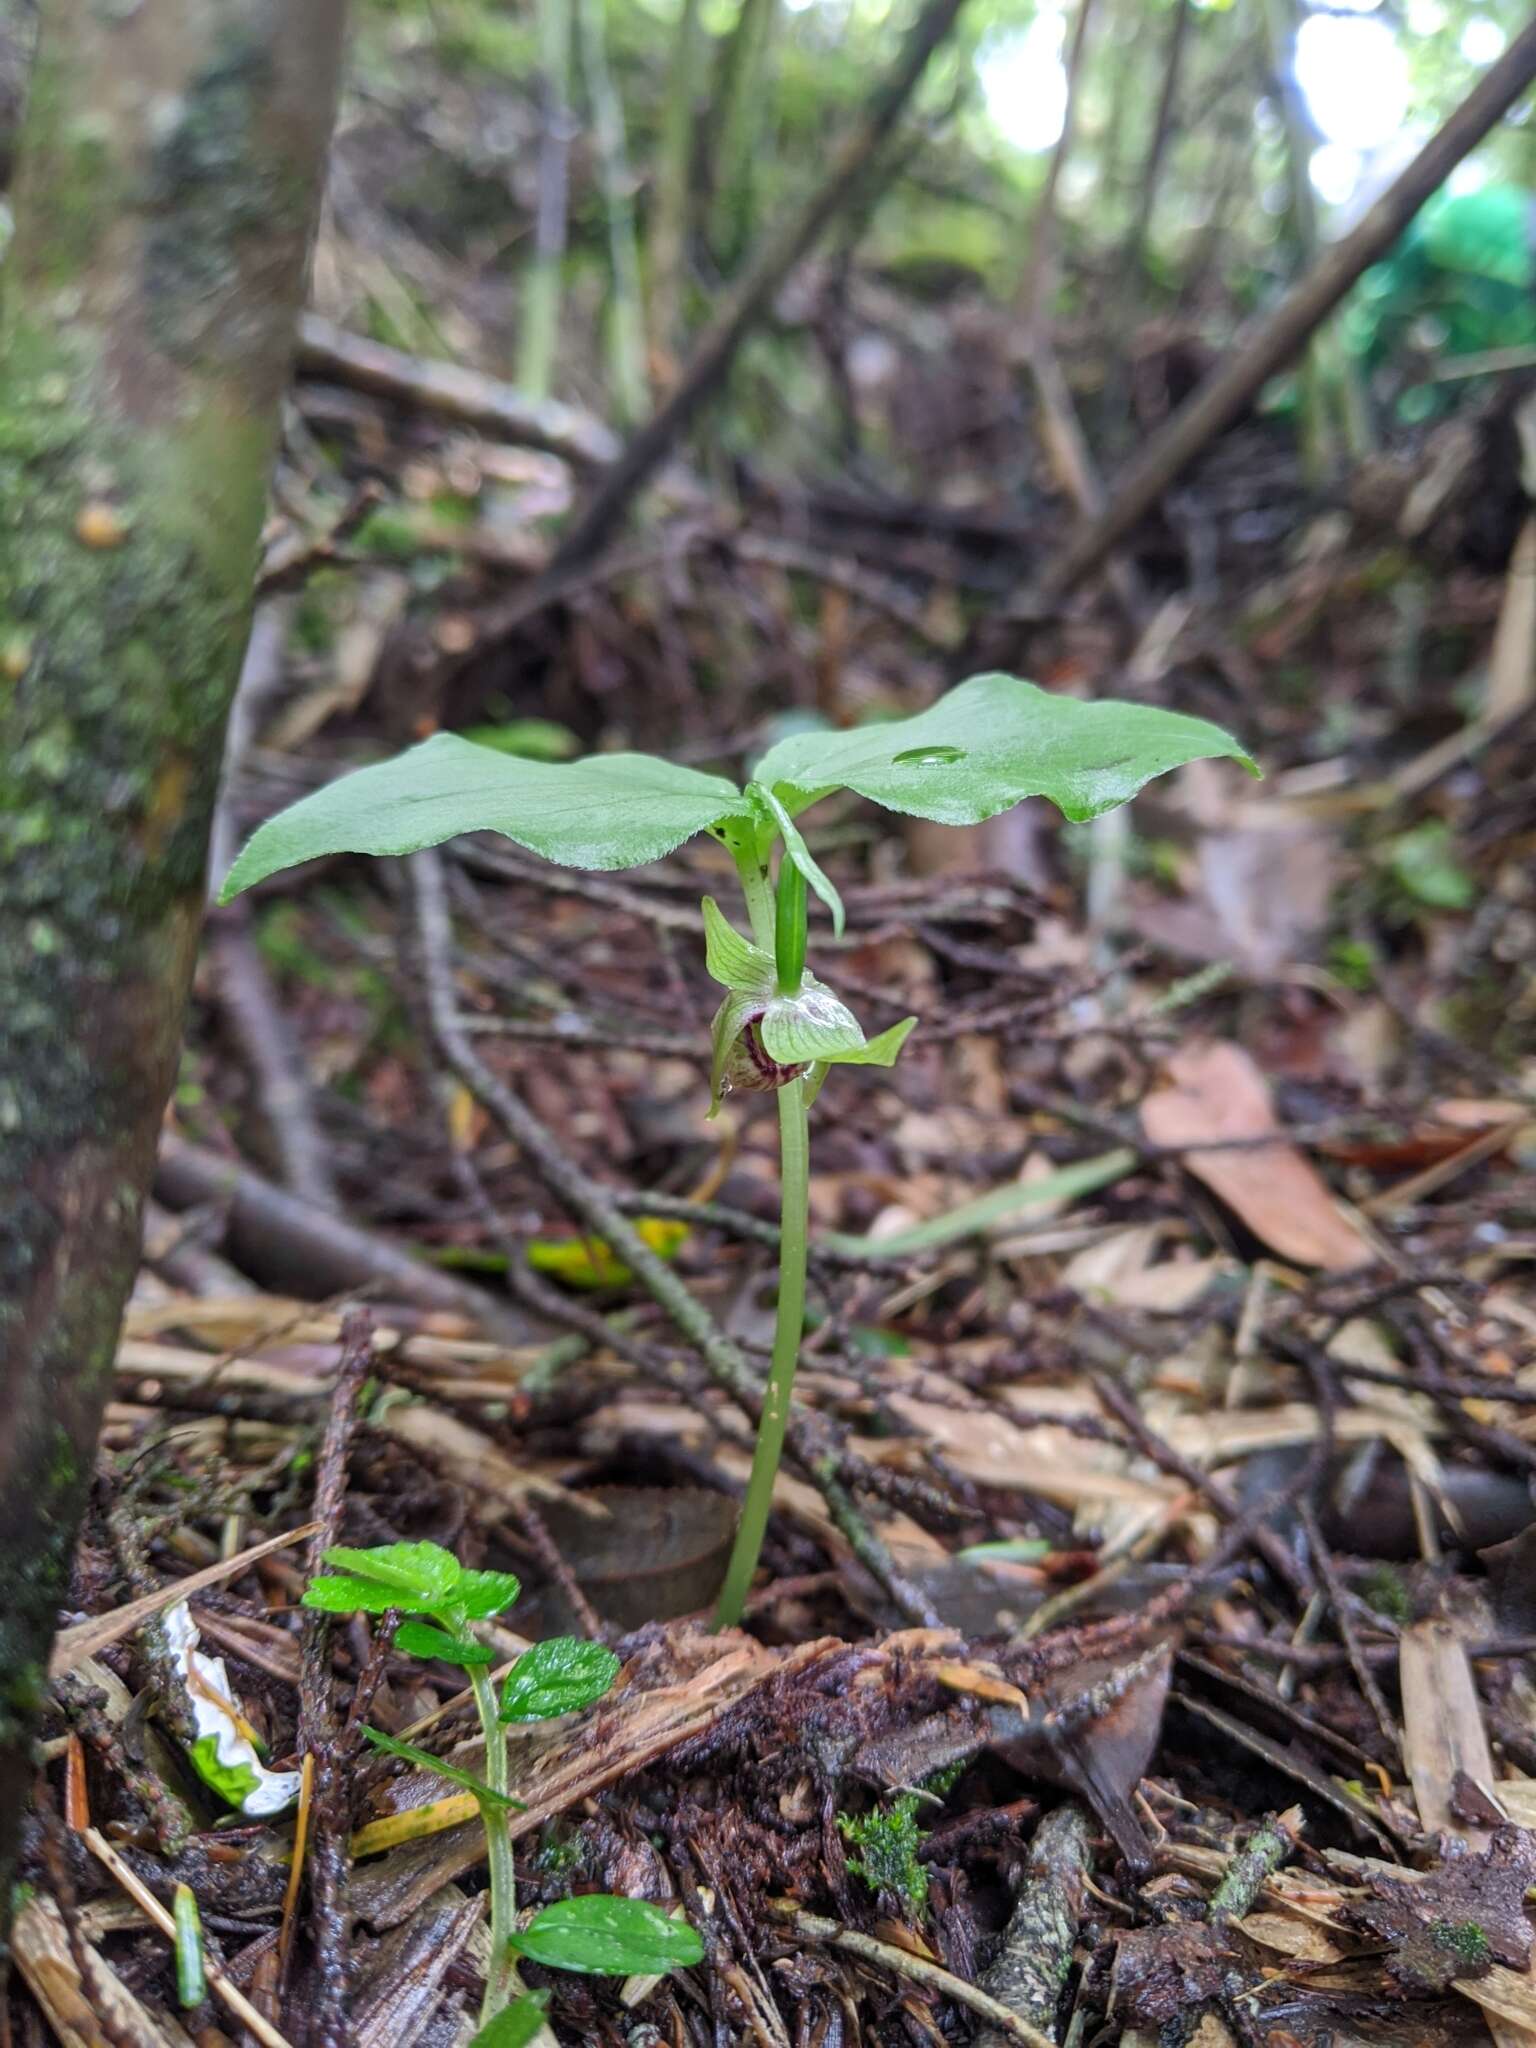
[
  {"x": 1465, "y": 1940},
  {"x": 887, "y": 1842},
  {"x": 1383, "y": 1589}
]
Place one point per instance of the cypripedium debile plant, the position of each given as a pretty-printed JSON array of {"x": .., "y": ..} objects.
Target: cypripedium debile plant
[{"x": 981, "y": 749}]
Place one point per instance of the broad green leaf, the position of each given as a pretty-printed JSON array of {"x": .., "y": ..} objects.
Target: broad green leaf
[
  {"x": 352, "y": 1596},
  {"x": 515, "y": 2025},
  {"x": 796, "y": 850},
  {"x": 421, "y": 1639},
  {"x": 607, "y": 811},
  {"x": 990, "y": 743},
  {"x": 729, "y": 958},
  {"x": 608, "y": 1937},
  {"x": 424, "y": 1760},
  {"x": 879, "y": 1051},
  {"x": 482, "y": 1594},
  {"x": 557, "y": 1677},
  {"x": 813, "y": 1025},
  {"x": 425, "y": 1571}
]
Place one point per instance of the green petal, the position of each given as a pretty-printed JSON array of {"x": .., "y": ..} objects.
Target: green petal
[
  {"x": 730, "y": 1021},
  {"x": 813, "y": 1025}
]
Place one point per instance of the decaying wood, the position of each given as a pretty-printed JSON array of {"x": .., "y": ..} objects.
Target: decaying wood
[
  {"x": 632, "y": 1731},
  {"x": 1030, "y": 1969},
  {"x": 453, "y": 392}
]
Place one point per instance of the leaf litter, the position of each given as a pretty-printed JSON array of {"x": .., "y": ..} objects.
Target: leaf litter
[{"x": 1100, "y": 1704}]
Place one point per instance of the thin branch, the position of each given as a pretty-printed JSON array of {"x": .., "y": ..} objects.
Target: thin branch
[{"x": 1285, "y": 331}]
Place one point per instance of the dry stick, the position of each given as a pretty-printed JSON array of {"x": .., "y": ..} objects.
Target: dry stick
[
  {"x": 454, "y": 393},
  {"x": 271, "y": 1229},
  {"x": 916, "y": 1969},
  {"x": 319, "y": 1736},
  {"x": 746, "y": 303},
  {"x": 596, "y": 1208},
  {"x": 1259, "y": 1858},
  {"x": 1338, "y": 1598},
  {"x": 1223, "y": 396},
  {"x": 1271, "y": 1547},
  {"x": 1075, "y": 467}
]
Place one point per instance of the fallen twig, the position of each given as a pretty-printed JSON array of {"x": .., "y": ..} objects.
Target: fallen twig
[
  {"x": 916, "y": 1969},
  {"x": 326, "y": 350}
]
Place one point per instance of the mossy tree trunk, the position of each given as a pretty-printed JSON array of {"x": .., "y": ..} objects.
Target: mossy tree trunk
[{"x": 168, "y": 175}]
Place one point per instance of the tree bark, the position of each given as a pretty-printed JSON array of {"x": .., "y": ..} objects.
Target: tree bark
[{"x": 169, "y": 173}]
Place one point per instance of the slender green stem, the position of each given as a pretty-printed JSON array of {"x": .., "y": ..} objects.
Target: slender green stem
[
  {"x": 501, "y": 1978},
  {"x": 756, "y": 887},
  {"x": 794, "y": 1213}
]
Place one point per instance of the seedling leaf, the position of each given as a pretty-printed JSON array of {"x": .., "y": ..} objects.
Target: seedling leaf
[
  {"x": 990, "y": 743},
  {"x": 556, "y": 1677},
  {"x": 609, "y": 1937},
  {"x": 424, "y": 1571},
  {"x": 426, "y": 1761},
  {"x": 421, "y": 1639},
  {"x": 482, "y": 1594},
  {"x": 607, "y": 811},
  {"x": 515, "y": 2025},
  {"x": 352, "y": 1596}
]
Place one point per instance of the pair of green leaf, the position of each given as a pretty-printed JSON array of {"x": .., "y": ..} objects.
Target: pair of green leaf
[
  {"x": 978, "y": 751},
  {"x": 417, "y": 1578}
]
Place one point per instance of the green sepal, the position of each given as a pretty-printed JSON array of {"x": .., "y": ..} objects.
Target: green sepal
[
  {"x": 732, "y": 960},
  {"x": 879, "y": 1051}
]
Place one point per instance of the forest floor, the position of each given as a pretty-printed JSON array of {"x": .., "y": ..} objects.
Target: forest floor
[{"x": 1164, "y": 1674}]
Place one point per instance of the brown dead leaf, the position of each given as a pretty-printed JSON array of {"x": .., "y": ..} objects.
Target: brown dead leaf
[
  {"x": 1443, "y": 1733},
  {"x": 1215, "y": 1094}
]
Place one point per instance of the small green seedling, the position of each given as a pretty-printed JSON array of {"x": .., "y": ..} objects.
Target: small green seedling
[
  {"x": 443, "y": 1600},
  {"x": 980, "y": 750}
]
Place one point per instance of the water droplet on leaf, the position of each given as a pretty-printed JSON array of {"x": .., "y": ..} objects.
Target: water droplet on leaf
[{"x": 927, "y": 757}]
